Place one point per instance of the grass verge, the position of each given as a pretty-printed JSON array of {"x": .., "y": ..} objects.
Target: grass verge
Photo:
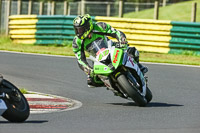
[
  {"x": 24, "y": 91},
  {"x": 6, "y": 44},
  {"x": 175, "y": 12}
]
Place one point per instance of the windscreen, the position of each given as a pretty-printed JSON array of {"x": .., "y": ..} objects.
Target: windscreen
[{"x": 98, "y": 47}]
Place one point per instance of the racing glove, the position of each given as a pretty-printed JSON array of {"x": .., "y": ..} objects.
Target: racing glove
[{"x": 123, "y": 43}]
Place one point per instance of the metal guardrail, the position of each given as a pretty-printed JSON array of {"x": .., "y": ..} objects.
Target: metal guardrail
[
  {"x": 158, "y": 35},
  {"x": 41, "y": 29},
  {"x": 146, "y": 35}
]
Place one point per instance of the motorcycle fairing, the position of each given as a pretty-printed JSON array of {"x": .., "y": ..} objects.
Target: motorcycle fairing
[
  {"x": 116, "y": 57},
  {"x": 3, "y": 107},
  {"x": 116, "y": 54},
  {"x": 131, "y": 63},
  {"x": 100, "y": 68}
]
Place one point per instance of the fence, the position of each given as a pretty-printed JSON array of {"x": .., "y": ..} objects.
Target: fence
[
  {"x": 53, "y": 7},
  {"x": 146, "y": 35}
]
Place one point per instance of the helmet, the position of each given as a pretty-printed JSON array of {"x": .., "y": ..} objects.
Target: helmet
[{"x": 83, "y": 25}]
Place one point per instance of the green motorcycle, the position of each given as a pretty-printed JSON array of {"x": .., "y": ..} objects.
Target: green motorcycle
[{"x": 119, "y": 71}]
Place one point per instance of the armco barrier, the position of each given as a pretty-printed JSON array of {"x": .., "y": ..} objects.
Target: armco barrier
[
  {"x": 157, "y": 35},
  {"x": 42, "y": 29},
  {"x": 146, "y": 35}
]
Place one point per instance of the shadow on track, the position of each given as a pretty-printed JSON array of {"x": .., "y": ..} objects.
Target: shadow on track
[
  {"x": 31, "y": 122},
  {"x": 156, "y": 104},
  {"x": 151, "y": 104}
]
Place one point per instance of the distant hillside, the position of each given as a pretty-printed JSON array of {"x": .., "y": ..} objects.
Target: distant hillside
[{"x": 175, "y": 12}]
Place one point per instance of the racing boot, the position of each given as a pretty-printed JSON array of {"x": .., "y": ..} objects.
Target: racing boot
[
  {"x": 144, "y": 69},
  {"x": 91, "y": 82},
  {"x": 134, "y": 53}
]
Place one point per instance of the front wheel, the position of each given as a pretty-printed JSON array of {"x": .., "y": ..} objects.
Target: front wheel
[
  {"x": 131, "y": 90},
  {"x": 18, "y": 107},
  {"x": 148, "y": 95}
]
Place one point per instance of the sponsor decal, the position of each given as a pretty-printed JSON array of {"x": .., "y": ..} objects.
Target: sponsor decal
[
  {"x": 116, "y": 55},
  {"x": 102, "y": 53},
  {"x": 99, "y": 69},
  {"x": 96, "y": 68},
  {"x": 131, "y": 61},
  {"x": 105, "y": 68},
  {"x": 101, "y": 50}
]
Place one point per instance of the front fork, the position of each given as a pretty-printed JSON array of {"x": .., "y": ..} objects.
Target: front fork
[{"x": 141, "y": 87}]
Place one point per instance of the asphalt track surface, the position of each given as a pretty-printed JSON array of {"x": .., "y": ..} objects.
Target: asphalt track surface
[{"x": 175, "y": 107}]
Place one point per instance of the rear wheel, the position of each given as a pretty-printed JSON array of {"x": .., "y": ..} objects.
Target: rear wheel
[
  {"x": 131, "y": 90},
  {"x": 18, "y": 107}
]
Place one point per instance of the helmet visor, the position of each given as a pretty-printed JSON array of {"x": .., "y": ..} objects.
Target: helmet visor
[{"x": 79, "y": 31}]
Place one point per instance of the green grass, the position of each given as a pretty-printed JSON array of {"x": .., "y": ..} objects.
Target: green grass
[
  {"x": 24, "y": 91},
  {"x": 170, "y": 58},
  {"x": 175, "y": 12},
  {"x": 185, "y": 58},
  {"x": 6, "y": 44}
]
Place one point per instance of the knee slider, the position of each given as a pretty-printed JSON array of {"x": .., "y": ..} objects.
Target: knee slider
[{"x": 134, "y": 53}]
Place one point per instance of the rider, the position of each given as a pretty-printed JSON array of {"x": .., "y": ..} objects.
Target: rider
[{"x": 86, "y": 32}]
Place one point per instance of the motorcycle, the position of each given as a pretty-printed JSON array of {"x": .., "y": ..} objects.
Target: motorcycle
[
  {"x": 119, "y": 72},
  {"x": 13, "y": 105}
]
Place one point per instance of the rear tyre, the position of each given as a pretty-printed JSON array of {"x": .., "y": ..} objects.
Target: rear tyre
[
  {"x": 131, "y": 90},
  {"x": 18, "y": 110}
]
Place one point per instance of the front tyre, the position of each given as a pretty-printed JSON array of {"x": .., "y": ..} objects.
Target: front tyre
[
  {"x": 148, "y": 95},
  {"x": 131, "y": 90},
  {"x": 18, "y": 107}
]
